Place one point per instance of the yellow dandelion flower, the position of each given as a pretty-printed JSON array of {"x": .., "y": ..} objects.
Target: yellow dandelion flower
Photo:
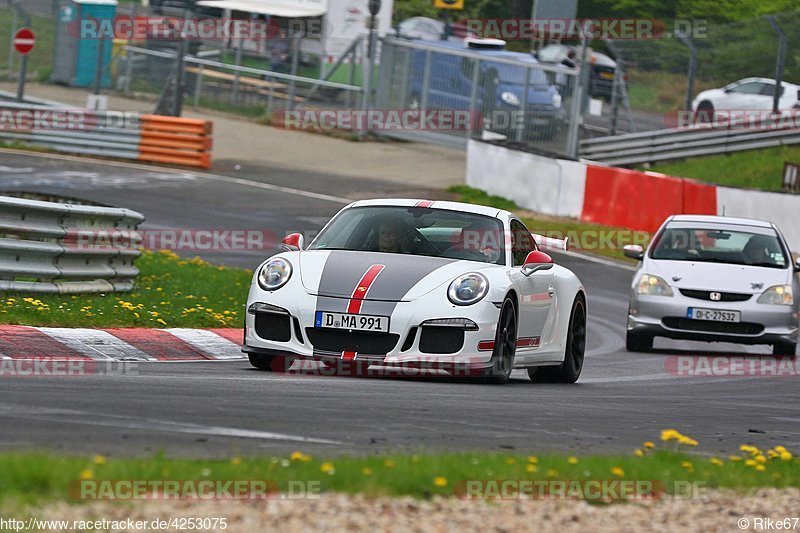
[
  {"x": 716, "y": 461},
  {"x": 761, "y": 459},
  {"x": 533, "y": 459},
  {"x": 649, "y": 445},
  {"x": 572, "y": 460},
  {"x": 327, "y": 468},
  {"x": 530, "y": 468},
  {"x": 366, "y": 471},
  {"x": 440, "y": 481},
  {"x": 389, "y": 463},
  {"x": 236, "y": 461},
  {"x": 510, "y": 460},
  {"x": 638, "y": 453},
  {"x": 786, "y": 456},
  {"x": 760, "y": 468},
  {"x": 99, "y": 459},
  {"x": 617, "y": 471},
  {"x": 734, "y": 458},
  {"x": 86, "y": 474}
]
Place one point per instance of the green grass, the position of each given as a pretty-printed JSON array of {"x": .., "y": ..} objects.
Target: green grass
[
  {"x": 754, "y": 169},
  {"x": 34, "y": 477},
  {"x": 605, "y": 241},
  {"x": 40, "y": 60},
  {"x": 660, "y": 92},
  {"x": 170, "y": 292}
]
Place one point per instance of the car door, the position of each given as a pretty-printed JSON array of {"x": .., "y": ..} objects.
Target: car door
[{"x": 536, "y": 290}]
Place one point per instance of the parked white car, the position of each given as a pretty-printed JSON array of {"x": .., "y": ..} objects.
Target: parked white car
[{"x": 748, "y": 94}]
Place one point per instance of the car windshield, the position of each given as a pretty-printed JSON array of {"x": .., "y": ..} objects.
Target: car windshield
[
  {"x": 515, "y": 74},
  {"x": 750, "y": 246},
  {"x": 415, "y": 231}
]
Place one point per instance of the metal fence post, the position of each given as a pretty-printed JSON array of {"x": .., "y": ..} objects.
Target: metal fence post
[
  {"x": 198, "y": 86},
  {"x": 581, "y": 87},
  {"x": 692, "y": 68},
  {"x": 473, "y": 99},
  {"x": 180, "y": 78},
  {"x": 295, "y": 64},
  {"x": 522, "y": 128},
  {"x": 779, "y": 62},
  {"x": 237, "y": 75},
  {"x": 426, "y": 81}
]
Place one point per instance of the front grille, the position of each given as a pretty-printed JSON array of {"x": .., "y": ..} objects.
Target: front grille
[
  {"x": 735, "y": 328},
  {"x": 273, "y": 327},
  {"x": 439, "y": 339},
  {"x": 725, "y": 296},
  {"x": 342, "y": 340}
]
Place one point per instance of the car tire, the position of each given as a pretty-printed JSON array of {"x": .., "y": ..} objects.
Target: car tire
[
  {"x": 270, "y": 363},
  {"x": 636, "y": 342},
  {"x": 784, "y": 348},
  {"x": 570, "y": 370},
  {"x": 705, "y": 112},
  {"x": 505, "y": 345}
]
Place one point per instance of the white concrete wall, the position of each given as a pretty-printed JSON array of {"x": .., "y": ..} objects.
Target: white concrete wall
[
  {"x": 782, "y": 209},
  {"x": 539, "y": 183}
]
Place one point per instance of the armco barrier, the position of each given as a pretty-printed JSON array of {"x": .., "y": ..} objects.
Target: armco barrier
[
  {"x": 62, "y": 248},
  {"x": 618, "y": 197},
  {"x": 151, "y": 138}
]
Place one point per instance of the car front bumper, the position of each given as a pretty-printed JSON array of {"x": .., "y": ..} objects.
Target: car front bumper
[
  {"x": 404, "y": 340},
  {"x": 665, "y": 316}
]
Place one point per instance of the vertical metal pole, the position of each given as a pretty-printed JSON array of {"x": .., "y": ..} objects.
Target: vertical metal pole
[
  {"x": 180, "y": 77},
  {"x": 576, "y": 114},
  {"x": 692, "y": 73},
  {"x": 473, "y": 100},
  {"x": 352, "y": 78},
  {"x": 98, "y": 75},
  {"x": 295, "y": 64},
  {"x": 238, "y": 74},
  {"x": 271, "y": 95},
  {"x": 11, "y": 51},
  {"x": 426, "y": 80},
  {"x": 23, "y": 67},
  {"x": 523, "y": 128},
  {"x": 612, "y": 130},
  {"x": 198, "y": 86},
  {"x": 779, "y": 62},
  {"x": 128, "y": 70}
]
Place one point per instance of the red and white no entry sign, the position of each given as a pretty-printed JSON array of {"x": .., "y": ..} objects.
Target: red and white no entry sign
[{"x": 24, "y": 40}]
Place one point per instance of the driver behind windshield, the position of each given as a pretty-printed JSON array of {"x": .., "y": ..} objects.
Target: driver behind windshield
[{"x": 392, "y": 237}]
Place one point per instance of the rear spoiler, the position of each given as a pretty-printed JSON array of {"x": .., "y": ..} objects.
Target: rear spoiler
[{"x": 551, "y": 243}]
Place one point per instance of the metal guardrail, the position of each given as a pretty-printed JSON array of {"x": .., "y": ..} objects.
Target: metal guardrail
[
  {"x": 49, "y": 247},
  {"x": 679, "y": 143},
  {"x": 121, "y": 135}
]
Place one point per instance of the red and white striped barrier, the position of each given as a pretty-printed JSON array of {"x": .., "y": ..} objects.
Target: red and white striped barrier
[
  {"x": 124, "y": 344},
  {"x": 618, "y": 197}
]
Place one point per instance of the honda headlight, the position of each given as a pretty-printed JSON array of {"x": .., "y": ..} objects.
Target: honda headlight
[
  {"x": 556, "y": 99},
  {"x": 274, "y": 274},
  {"x": 653, "y": 286},
  {"x": 510, "y": 98},
  {"x": 777, "y": 295},
  {"x": 468, "y": 289}
]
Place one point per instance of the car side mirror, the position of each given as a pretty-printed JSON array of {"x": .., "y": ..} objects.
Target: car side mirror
[
  {"x": 537, "y": 261},
  {"x": 634, "y": 251},
  {"x": 797, "y": 265},
  {"x": 292, "y": 242}
]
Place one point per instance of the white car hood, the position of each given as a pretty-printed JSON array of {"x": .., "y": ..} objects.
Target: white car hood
[
  {"x": 337, "y": 273},
  {"x": 717, "y": 276}
]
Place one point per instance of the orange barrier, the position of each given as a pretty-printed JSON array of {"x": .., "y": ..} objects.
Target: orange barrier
[
  {"x": 175, "y": 141},
  {"x": 641, "y": 200}
]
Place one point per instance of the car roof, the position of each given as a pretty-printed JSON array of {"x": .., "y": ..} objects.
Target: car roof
[
  {"x": 496, "y": 52},
  {"x": 763, "y": 80},
  {"x": 435, "y": 204},
  {"x": 734, "y": 221}
]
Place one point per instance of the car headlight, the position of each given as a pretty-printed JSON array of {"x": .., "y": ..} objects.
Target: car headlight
[
  {"x": 777, "y": 295},
  {"x": 274, "y": 274},
  {"x": 653, "y": 286},
  {"x": 468, "y": 289},
  {"x": 509, "y": 98},
  {"x": 556, "y": 99}
]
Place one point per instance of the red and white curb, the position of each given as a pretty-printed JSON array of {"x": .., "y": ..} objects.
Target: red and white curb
[{"x": 120, "y": 344}]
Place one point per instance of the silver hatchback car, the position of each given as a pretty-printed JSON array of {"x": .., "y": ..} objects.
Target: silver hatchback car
[{"x": 715, "y": 279}]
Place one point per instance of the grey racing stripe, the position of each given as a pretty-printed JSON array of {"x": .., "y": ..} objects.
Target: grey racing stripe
[{"x": 344, "y": 269}]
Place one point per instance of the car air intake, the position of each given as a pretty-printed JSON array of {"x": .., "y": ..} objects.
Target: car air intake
[
  {"x": 724, "y": 296},
  {"x": 273, "y": 327},
  {"x": 441, "y": 339},
  {"x": 342, "y": 340},
  {"x": 734, "y": 328}
]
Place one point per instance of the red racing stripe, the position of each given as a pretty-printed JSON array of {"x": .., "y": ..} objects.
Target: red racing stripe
[
  {"x": 361, "y": 290},
  {"x": 24, "y": 342},
  {"x": 158, "y": 343}
]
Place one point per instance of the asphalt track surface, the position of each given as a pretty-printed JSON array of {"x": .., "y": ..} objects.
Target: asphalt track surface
[{"x": 216, "y": 409}]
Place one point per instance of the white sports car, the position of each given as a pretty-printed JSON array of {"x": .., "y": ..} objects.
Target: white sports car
[{"x": 419, "y": 284}]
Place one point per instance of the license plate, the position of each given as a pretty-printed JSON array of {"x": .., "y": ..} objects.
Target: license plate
[
  {"x": 714, "y": 315},
  {"x": 324, "y": 319},
  {"x": 607, "y": 75}
]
